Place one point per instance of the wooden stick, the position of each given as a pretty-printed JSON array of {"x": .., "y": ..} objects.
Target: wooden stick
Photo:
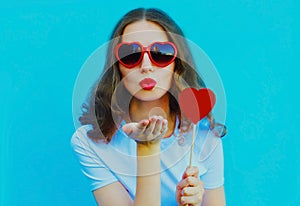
[{"x": 193, "y": 142}]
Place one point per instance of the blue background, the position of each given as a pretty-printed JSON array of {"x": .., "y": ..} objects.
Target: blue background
[{"x": 253, "y": 44}]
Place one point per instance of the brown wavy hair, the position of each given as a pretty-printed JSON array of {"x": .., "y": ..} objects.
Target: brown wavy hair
[{"x": 107, "y": 98}]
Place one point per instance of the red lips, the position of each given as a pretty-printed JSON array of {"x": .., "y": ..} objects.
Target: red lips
[{"x": 147, "y": 83}]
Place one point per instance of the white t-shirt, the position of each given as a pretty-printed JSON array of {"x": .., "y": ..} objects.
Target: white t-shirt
[{"x": 104, "y": 164}]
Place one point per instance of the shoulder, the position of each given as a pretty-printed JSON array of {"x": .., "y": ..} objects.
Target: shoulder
[
  {"x": 210, "y": 155},
  {"x": 80, "y": 136},
  {"x": 207, "y": 144},
  {"x": 81, "y": 141}
]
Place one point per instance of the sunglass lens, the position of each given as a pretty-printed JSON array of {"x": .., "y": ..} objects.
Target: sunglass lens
[
  {"x": 129, "y": 54},
  {"x": 162, "y": 53}
]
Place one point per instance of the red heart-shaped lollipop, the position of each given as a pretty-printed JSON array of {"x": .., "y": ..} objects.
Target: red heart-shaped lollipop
[{"x": 196, "y": 104}]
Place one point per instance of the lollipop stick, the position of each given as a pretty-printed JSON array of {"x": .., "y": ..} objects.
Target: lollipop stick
[{"x": 192, "y": 146}]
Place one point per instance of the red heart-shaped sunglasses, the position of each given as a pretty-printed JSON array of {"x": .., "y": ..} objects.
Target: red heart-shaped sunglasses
[{"x": 130, "y": 54}]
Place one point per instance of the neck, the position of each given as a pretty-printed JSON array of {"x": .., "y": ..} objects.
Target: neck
[{"x": 144, "y": 109}]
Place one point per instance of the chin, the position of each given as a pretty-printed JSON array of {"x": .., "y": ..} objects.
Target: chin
[{"x": 151, "y": 95}]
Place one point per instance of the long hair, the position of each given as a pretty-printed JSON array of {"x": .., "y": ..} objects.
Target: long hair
[{"x": 103, "y": 104}]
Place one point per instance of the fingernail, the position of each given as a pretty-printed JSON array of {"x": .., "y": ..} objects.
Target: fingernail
[
  {"x": 189, "y": 171},
  {"x": 183, "y": 201}
]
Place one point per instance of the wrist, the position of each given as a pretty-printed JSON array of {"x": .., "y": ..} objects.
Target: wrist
[
  {"x": 148, "y": 143},
  {"x": 148, "y": 148},
  {"x": 148, "y": 159}
]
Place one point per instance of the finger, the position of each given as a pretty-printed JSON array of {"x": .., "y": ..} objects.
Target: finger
[
  {"x": 158, "y": 126},
  {"x": 191, "y": 171},
  {"x": 164, "y": 128},
  {"x": 189, "y": 181},
  {"x": 190, "y": 191},
  {"x": 127, "y": 129},
  {"x": 135, "y": 127},
  {"x": 193, "y": 200},
  {"x": 150, "y": 127},
  {"x": 142, "y": 125}
]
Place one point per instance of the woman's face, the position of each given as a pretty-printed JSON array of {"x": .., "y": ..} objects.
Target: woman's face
[{"x": 146, "y": 81}]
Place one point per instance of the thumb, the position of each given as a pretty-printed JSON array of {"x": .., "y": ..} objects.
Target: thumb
[{"x": 127, "y": 128}]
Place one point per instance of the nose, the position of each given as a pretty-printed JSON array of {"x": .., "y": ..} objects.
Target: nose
[{"x": 146, "y": 64}]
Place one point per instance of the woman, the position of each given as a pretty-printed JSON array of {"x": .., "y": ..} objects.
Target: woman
[{"x": 134, "y": 111}]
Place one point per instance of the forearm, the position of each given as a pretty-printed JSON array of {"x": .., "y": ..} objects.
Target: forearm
[{"x": 148, "y": 175}]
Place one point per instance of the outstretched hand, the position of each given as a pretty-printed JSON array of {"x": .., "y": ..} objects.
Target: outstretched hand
[
  {"x": 147, "y": 130},
  {"x": 190, "y": 190}
]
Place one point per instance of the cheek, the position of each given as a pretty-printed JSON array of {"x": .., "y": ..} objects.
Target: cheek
[
  {"x": 128, "y": 80},
  {"x": 167, "y": 75},
  {"x": 128, "y": 73},
  {"x": 126, "y": 77},
  {"x": 123, "y": 71}
]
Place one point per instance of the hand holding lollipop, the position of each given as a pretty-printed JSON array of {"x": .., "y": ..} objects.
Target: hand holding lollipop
[{"x": 195, "y": 105}]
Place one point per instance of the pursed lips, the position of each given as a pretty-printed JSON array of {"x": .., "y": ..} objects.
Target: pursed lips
[{"x": 148, "y": 83}]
